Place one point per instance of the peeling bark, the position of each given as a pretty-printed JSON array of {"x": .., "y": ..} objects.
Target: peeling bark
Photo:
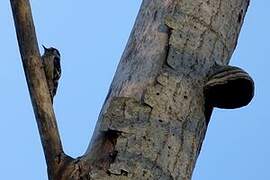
[{"x": 157, "y": 99}]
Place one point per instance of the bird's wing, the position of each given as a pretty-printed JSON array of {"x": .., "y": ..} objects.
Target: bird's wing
[{"x": 57, "y": 69}]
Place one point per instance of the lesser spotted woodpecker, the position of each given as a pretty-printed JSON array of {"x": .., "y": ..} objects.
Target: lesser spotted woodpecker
[{"x": 52, "y": 68}]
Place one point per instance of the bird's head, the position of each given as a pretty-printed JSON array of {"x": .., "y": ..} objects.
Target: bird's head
[{"x": 52, "y": 51}]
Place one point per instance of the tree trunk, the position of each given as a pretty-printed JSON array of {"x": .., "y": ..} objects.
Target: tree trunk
[
  {"x": 173, "y": 72},
  {"x": 155, "y": 117}
]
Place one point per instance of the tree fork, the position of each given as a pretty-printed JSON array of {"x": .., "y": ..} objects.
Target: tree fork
[{"x": 173, "y": 72}]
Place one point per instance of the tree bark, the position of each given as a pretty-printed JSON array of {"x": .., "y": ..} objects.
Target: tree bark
[
  {"x": 173, "y": 72},
  {"x": 155, "y": 116}
]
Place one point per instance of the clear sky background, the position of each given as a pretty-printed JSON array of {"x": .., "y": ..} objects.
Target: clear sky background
[{"x": 91, "y": 36}]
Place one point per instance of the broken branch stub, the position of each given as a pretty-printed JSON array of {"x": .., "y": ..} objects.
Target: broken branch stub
[{"x": 229, "y": 87}]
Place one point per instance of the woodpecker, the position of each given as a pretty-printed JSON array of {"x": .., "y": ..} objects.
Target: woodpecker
[{"x": 52, "y": 68}]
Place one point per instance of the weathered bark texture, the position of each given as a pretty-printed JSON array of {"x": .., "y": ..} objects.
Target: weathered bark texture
[
  {"x": 173, "y": 72},
  {"x": 156, "y": 107}
]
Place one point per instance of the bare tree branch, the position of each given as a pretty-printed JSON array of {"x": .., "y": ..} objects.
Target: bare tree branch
[{"x": 36, "y": 81}]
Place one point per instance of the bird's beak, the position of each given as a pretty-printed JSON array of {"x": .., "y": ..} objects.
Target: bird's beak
[{"x": 45, "y": 49}]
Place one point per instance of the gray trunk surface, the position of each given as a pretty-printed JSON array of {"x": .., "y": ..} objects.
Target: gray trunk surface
[{"x": 155, "y": 116}]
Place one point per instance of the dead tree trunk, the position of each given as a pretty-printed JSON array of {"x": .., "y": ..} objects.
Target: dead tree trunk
[{"x": 173, "y": 72}]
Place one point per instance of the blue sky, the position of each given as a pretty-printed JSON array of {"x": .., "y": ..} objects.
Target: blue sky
[{"x": 91, "y": 36}]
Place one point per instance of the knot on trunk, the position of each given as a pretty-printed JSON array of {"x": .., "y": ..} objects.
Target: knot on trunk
[{"x": 229, "y": 87}]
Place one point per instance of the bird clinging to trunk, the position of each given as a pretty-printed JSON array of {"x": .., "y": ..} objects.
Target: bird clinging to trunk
[{"x": 52, "y": 68}]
